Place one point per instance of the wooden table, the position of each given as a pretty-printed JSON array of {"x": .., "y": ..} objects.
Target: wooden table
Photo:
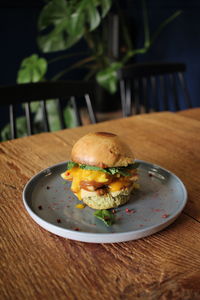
[
  {"x": 36, "y": 264},
  {"x": 193, "y": 113}
]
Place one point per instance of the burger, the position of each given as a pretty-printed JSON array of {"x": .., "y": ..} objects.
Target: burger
[{"x": 102, "y": 170}]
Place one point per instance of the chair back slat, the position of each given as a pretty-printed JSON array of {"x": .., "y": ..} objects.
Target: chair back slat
[
  {"x": 13, "y": 131},
  {"x": 92, "y": 115},
  {"x": 45, "y": 116},
  {"x": 144, "y": 94},
  {"x": 172, "y": 79},
  {"x": 29, "y": 120},
  {"x": 136, "y": 96},
  {"x": 154, "y": 93},
  {"x": 163, "y": 91},
  {"x": 76, "y": 111},
  {"x": 60, "y": 114},
  {"x": 128, "y": 98},
  {"x": 123, "y": 97},
  {"x": 185, "y": 89}
]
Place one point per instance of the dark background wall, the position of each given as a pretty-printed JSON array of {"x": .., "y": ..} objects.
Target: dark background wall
[{"x": 180, "y": 41}]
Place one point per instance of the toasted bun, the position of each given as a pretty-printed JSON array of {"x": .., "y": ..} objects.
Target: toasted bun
[{"x": 102, "y": 149}]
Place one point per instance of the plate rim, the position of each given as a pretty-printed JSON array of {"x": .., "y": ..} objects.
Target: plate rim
[{"x": 102, "y": 237}]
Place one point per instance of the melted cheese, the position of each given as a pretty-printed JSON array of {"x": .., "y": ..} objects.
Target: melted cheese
[
  {"x": 119, "y": 184},
  {"x": 80, "y": 206},
  {"x": 76, "y": 175},
  {"x": 116, "y": 186}
]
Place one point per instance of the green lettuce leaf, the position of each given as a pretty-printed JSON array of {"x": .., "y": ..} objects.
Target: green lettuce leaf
[
  {"x": 133, "y": 166},
  {"x": 93, "y": 168},
  {"x": 120, "y": 170},
  {"x": 124, "y": 170},
  {"x": 71, "y": 164},
  {"x": 106, "y": 216},
  {"x": 117, "y": 170}
]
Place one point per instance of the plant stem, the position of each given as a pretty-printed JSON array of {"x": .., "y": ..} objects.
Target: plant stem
[
  {"x": 132, "y": 53},
  {"x": 89, "y": 40},
  {"x": 76, "y": 65},
  {"x": 90, "y": 74},
  {"x": 146, "y": 25},
  {"x": 67, "y": 56},
  {"x": 125, "y": 30},
  {"x": 164, "y": 24},
  {"x": 149, "y": 41}
]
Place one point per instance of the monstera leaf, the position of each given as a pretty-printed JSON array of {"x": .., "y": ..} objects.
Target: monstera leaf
[
  {"x": 63, "y": 22},
  {"x": 107, "y": 77},
  {"x": 32, "y": 69}
]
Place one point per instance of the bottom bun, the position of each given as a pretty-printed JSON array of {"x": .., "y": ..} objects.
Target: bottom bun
[{"x": 108, "y": 201}]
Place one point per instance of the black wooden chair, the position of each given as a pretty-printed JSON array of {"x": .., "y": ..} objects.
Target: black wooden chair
[
  {"x": 63, "y": 91},
  {"x": 153, "y": 87}
]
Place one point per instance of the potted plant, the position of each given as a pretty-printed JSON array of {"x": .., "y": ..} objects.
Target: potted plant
[{"x": 64, "y": 24}]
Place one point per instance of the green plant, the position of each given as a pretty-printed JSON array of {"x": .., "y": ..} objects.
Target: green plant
[{"x": 63, "y": 23}]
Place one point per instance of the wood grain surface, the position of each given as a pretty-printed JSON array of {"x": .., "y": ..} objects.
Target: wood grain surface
[
  {"x": 36, "y": 264},
  {"x": 193, "y": 113}
]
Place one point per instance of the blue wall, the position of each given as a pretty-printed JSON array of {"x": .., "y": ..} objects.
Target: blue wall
[
  {"x": 178, "y": 42},
  {"x": 17, "y": 36}
]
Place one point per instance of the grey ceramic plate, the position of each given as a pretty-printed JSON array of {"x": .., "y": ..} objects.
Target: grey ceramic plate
[{"x": 160, "y": 199}]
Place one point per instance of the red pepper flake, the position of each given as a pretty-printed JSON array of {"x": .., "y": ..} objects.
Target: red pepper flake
[
  {"x": 130, "y": 211},
  {"x": 48, "y": 187},
  {"x": 58, "y": 220},
  {"x": 165, "y": 216},
  {"x": 40, "y": 207},
  {"x": 156, "y": 195},
  {"x": 76, "y": 229},
  {"x": 157, "y": 209}
]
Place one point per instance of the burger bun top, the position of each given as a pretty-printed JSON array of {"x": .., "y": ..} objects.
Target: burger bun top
[{"x": 102, "y": 149}]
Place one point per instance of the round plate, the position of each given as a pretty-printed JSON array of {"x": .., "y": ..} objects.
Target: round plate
[{"x": 156, "y": 204}]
